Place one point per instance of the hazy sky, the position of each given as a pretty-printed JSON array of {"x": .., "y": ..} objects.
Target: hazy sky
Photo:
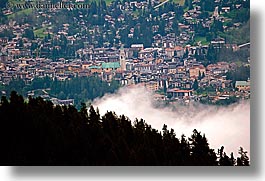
[{"x": 227, "y": 126}]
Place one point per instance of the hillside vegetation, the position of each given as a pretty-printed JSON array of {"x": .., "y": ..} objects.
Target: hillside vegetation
[{"x": 39, "y": 133}]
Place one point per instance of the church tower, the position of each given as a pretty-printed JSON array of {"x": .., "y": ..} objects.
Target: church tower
[
  {"x": 216, "y": 12},
  {"x": 122, "y": 59}
]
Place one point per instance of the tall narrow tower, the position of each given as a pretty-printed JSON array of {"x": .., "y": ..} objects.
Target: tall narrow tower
[
  {"x": 122, "y": 59},
  {"x": 216, "y": 13}
]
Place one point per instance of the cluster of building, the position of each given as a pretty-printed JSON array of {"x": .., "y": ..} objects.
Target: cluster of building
[
  {"x": 169, "y": 66},
  {"x": 154, "y": 68}
]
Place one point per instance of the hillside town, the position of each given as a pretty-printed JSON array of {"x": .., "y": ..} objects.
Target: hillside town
[{"x": 177, "y": 61}]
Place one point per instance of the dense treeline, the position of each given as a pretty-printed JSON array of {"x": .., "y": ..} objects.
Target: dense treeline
[
  {"x": 222, "y": 102},
  {"x": 239, "y": 35},
  {"x": 37, "y": 132},
  {"x": 81, "y": 89},
  {"x": 242, "y": 73}
]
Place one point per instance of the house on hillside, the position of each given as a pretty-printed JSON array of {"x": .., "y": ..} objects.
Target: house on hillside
[
  {"x": 176, "y": 93},
  {"x": 242, "y": 85}
]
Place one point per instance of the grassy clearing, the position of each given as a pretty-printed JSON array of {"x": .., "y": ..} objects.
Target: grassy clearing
[
  {"x": 40, "y": 32},
  {"x": 181, "y": 2},
  {"x": 20, "y": 13},
  {"x": 136, "y": 13},
  {"x": 202, "y": 40}
]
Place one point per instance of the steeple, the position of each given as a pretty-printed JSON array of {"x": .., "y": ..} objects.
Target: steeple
[
  {"x": 122, "y": 58},
  {"x": 216, "y": 14}
]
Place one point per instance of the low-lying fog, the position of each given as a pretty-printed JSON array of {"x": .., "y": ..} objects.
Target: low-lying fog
[{"x": 228, "y": 126}]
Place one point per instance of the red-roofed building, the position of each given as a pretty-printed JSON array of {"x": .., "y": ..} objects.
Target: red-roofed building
[
  {"x": 195, "y": 71},
  {"x": 177, "y": 93}
]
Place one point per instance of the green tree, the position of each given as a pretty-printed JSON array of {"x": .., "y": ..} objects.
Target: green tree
[
  {"x": 3, "y": 4},
  {"x": 186, "y": 54},
  {"x": 195, "y": 85},
  {"x": 211, "y": 54},
  {"x": 201, "y": 154},
  {"x": 224, "y": 160},
  {"x": 94, "y": 117},
  {"x": 243, "y": 160},
  {"x": 36, "y": 132},
  {"x": 28, "y": 33}
]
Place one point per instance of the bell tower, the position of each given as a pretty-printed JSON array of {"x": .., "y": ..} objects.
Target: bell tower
[{"x": 122, "y": 59}]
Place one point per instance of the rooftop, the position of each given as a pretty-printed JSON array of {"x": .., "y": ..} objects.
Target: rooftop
[
  {"x": 110, "y": 65},
  {"x": 242, "y": 83}
]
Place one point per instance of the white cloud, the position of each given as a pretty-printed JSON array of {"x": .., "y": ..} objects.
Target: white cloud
[{"x": 223, "y": 126}]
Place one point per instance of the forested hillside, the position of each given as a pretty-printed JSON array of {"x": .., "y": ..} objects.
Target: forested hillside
[
  {"x": 39, "y": 133},
  {"x": 81, "y": 89}
]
